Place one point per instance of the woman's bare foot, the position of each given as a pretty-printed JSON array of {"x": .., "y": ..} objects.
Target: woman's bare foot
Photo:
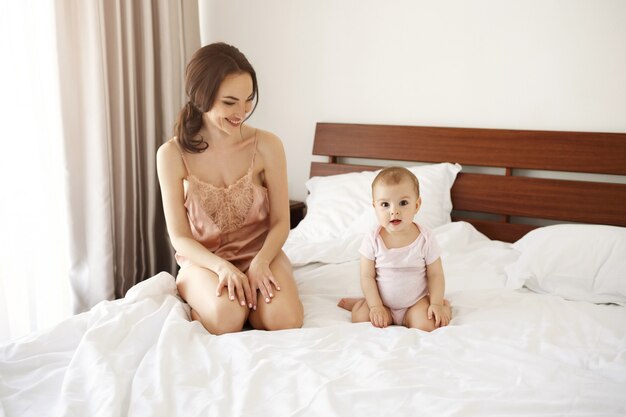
[{"x": 348, "y": 303}]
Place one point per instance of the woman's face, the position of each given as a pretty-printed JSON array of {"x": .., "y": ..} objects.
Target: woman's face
[{"x": 232, "y": 103}]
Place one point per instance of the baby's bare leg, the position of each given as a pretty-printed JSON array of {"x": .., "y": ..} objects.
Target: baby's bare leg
[
  {"x": 417, "y": 315},
  {"x": 360, "y": 311},
  {"x": 358, "y": 307}
]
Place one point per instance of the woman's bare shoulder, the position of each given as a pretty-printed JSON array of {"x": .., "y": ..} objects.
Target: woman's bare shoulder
[
  {"x": 168, "y": 149},
  {"x": 168, "y": 155},
  {"x": 268, "y": 141}
]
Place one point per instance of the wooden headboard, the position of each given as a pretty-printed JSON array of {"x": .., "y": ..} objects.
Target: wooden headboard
[{"x": 499, "y": 205}]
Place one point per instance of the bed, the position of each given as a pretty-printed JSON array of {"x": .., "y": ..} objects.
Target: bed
[{"x": 535, "y": 272}]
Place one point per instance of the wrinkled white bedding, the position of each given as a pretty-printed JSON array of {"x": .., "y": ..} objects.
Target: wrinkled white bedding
[{"x": 506, "y": 352}]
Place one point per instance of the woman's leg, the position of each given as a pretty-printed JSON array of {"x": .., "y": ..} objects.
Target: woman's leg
[
  {"x": 285, "y": 310},
  {"x": 417, "y": 315},
  {"x": 196, "y": 285}
]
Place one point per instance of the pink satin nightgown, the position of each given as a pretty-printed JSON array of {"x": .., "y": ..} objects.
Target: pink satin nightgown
[{"x": 232, "y": 222}]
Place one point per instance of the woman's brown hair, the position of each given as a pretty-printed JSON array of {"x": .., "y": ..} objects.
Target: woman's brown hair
[{"x": 204, "y": 74}]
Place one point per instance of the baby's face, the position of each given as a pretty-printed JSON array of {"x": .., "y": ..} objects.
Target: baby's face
[{"x": 396, "y": 205}]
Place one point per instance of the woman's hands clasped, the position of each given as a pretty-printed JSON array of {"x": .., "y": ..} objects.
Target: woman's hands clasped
[
  {"x": 261, "y": 278},
  {"x": 237, "y": 284}
]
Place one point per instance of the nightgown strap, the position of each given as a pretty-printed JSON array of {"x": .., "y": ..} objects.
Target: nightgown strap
[
  {"x": 256, "y": 140},
  {"x": 182, "y": 156}
]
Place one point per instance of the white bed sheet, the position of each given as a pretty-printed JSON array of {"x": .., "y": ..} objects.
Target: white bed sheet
[{"x": 506, "y": 353}]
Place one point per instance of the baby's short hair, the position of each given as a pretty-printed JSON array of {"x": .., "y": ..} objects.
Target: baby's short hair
[{"x": 395, "y": 175}]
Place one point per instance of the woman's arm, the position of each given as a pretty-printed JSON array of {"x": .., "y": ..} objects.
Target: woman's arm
[
  {"x": 275, "y": 177},
  {"x": 274, "y": 167},
  {"x": 171, "y": 172}
]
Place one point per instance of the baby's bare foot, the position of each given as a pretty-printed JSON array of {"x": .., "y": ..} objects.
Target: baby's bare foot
[{"x": 348, "y": 303}]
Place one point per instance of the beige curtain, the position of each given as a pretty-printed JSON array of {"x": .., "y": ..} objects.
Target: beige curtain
[{"x": 121, "y": 65}]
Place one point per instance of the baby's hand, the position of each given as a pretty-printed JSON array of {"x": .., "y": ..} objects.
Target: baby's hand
[
  {"x": 441, "y": 313},
  {"x": 379, "y": 316}
]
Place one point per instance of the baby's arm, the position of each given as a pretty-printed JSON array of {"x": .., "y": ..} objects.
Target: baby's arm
[
  {"x": 436, "y": 289},
  {"x": 379, "y": 315}
]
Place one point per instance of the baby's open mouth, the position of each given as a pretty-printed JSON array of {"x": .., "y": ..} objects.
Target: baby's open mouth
[{"x": 395, "y": 222}]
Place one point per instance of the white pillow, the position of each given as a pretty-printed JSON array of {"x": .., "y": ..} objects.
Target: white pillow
[
  {"x": 576, "y": 262},
  {"x": 341, "y": 205}
]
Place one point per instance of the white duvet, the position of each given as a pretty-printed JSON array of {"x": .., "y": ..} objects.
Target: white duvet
[{"x": 506, "y": 352}]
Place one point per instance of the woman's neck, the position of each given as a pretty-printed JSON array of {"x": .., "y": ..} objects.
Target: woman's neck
[{"x": 217, "y": 138}]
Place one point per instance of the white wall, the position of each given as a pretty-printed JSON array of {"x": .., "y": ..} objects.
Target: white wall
[{"x": 534, "y": 64}]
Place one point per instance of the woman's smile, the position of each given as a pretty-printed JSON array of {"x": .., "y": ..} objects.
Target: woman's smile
[{"x": 234, "y": 122}]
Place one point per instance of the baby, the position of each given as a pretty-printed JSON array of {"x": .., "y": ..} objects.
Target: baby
[{"x": 401, "y": 273}]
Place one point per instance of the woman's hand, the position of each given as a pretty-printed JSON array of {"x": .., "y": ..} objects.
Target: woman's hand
[
  {"x": 261, "y": 278},
  {"x": 379, "y": 316},
  {"x": 441, "y": 314},
  {"x": 236, "y": 282}
]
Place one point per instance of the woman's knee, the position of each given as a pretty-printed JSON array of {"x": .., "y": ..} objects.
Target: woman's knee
[
  {"x": 283, "y": 317},
  {"x": 223, "y": 328},
  {"x": 218, "y": 315},
  {"x": 291, "y": 319},
  {"x": 286, "y": 310},
  {"x": 283, "y": 323},
  {"x": 223, "y": 320}
]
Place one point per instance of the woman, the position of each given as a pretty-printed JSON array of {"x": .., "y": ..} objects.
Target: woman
[{"x": 225, "y": 198}]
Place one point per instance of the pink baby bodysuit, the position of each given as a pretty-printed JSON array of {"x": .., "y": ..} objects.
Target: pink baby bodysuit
[{"x": 401, "y": 272}]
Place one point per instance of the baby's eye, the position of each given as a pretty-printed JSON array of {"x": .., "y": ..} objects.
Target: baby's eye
[
  {"x": 384, "y": 204},
  {"x": 404, "y": 202}
]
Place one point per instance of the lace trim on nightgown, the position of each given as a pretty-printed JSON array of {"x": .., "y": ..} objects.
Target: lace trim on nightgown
[{"x": 227, "y": 206}]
